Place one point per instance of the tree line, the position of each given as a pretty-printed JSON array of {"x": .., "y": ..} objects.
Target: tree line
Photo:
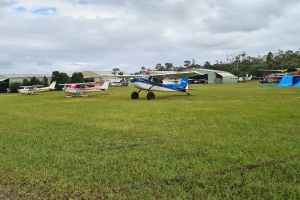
[{"x": 239, "y": 64}]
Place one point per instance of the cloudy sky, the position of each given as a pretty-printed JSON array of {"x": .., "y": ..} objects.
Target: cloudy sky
[{"x": 41, "y": 36}]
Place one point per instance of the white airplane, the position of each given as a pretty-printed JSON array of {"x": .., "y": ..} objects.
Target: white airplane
[
  {"x": 35, "y": 88},
  {"x": 245, "y": 79},
  {"x": 155, "y": 83},
  {"x": 82, "y": 88}
]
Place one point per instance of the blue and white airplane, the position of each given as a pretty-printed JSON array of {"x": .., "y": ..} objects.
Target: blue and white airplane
[{"x": 155, "y": 83}]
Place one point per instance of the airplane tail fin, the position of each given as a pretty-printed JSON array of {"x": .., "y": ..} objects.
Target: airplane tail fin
[
  {"x": 184, "y": 83},
  {"x": 52, "y": 86},
  {"x": 105, "y": 85}
]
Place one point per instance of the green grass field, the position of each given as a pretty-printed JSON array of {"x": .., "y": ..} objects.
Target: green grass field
[{"x": 227, "y": 141}]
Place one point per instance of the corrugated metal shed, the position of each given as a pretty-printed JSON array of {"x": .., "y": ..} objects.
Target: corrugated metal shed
[
  {"x": 216, "y": 76},
  {"x": 6, "y": 79},
  {"x": 228, "y": 77}
]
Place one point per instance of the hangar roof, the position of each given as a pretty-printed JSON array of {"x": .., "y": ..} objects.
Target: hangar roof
[
  {"x": 225, "y": 74},
  {"x": 222, "y": 73},
  {"x": 8, "y": 76},
  {"x": 104, "y": 73},
  {"x": 88, "y": 74}
]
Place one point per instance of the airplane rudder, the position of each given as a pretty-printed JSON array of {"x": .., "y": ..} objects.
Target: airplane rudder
[
  {"x": 184, "y": 82},
  {"x": 185, "y": 79},
  {"x": 106, "y": 84},
  {"x": 52, "y": 86}
]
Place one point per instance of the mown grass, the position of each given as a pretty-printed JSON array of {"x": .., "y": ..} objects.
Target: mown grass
[{"x": 229, "y": 141}]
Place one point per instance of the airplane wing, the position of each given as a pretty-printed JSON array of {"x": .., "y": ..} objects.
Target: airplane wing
[
  {"x": 130, "y": 76},
  {"x": 177, "y": 74},
  {"x": 164, "y": 75},
  {"x": 29, "y": 87},
  {"x": 87, "y": 83}
]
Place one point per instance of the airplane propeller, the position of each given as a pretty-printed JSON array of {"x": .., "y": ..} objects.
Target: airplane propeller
[{"x": 63, "y": 89}]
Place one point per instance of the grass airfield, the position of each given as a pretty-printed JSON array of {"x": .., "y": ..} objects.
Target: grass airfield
[{"x": 225, "y": 141}]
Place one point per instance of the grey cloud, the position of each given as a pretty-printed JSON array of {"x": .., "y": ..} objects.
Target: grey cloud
[
  {"x": 44, "y": 63},
  {"x": 6, "y": 64},
  {"x": 3, "y": 3},
  {"x": 243, "y": 16}
]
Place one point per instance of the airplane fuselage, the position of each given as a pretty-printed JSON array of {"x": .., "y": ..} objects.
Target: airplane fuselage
[
  {"x": 155, "y": 82},
  {"x": 34, "y": 89},
  {"x": 74, "y": 89},
  {"x": 31, "y": 91},
  {"x": 28, "y": 91},
  {"x": 144, "y": 84}
]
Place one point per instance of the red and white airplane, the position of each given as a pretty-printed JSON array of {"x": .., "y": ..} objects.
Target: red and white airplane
[{"x": 75, "y": 89}]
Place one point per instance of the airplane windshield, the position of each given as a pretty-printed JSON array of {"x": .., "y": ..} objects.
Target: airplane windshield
[{"x": 147, "y": 78}]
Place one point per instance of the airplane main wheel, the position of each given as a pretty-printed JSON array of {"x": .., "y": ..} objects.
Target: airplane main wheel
[
  {"x": 150, "y": 96},
  {"x": 134, "y": 95}
]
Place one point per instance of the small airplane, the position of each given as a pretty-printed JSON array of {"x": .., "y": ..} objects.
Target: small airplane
[
  {"x": 245, "y": 79},
  {"x": 75, "y": 89},
  {"x": 274, "y": 77},
  {"x": 155, "y": 83},
  {"x": 36, "y": 88}
]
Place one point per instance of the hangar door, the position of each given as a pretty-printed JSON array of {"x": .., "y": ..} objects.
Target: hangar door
[{"x": 4, "y": 85}]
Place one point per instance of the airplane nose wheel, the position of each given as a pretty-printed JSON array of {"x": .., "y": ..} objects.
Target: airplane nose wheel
[
  {"x": 150, "y": 96},
  {"x": 134, "y": 95}
]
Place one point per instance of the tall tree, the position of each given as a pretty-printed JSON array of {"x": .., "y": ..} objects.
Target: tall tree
[
  {"x": 34, "y": 81},
  {"x": 187, "y": 63},
  {"x": 115, "y": 71},
  {"x": 26, "y": 82},
  {"x": 169, "y": 67},
  {"x": 159, "y": 67},
  {"x": 270, "y": 57},
  {"x": 77, "y": 77},
  {"x": 143, "y": 69},
  {"x": 207, "y": 65},
  {"x": 60, "y": 78},
  {"x": 45, "y": 81}
]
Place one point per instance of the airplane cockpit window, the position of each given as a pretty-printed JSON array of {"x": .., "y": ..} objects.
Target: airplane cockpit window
[
  {"x": 146, "y": 78},
  {"x": 156, "y": 80}
]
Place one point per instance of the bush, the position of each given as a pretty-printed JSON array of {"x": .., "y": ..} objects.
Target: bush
[{"x": 14, "y": 86}]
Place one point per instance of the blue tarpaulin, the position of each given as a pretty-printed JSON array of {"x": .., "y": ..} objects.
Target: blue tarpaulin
[
  {"x": 297, "y": 81},
  {"x": 286, "y": 81}
]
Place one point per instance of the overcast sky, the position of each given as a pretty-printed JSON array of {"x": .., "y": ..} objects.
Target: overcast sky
[{"x": 41, "y": 36}]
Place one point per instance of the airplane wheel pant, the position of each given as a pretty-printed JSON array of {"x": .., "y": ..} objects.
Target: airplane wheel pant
[
  {"x": 134, "y": 95},
  {"x": 150, "y": 96}
]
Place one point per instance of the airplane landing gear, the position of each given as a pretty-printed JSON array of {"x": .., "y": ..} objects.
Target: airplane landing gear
[
  {"x": 150, "y": 96},
  {"x": 188, "y": 94},
  {"x": 134, "y": 95}
]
